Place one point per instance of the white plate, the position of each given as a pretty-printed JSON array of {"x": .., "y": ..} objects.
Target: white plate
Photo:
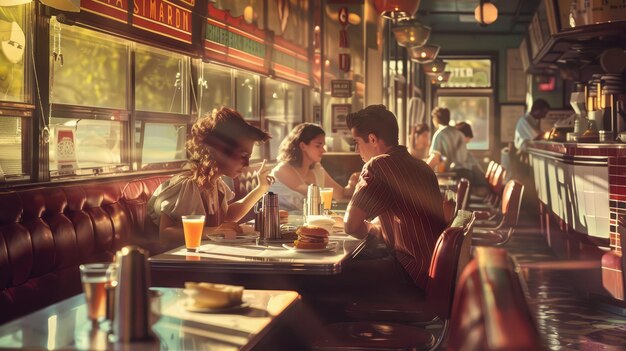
[
  {"x": 237, "y": 240},
  {"x": 329, "y": 247},
  {"x": 188, "y": 305}
]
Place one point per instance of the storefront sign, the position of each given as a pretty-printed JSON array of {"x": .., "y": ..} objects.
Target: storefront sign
[
  {"x": 290, "y": 61},
  {"x": 341, "y": 88},
  {"x": 166, "y": 18},
  {"x": 338, "y": 116},
  {"x": 231, "y": 40}
]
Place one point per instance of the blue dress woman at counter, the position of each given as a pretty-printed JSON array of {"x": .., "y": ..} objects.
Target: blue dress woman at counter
[{"x": 299, "y": 165}]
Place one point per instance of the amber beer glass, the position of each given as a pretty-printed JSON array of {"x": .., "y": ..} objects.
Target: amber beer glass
[
  {"x": 192, "y": 229},
  {"x": 94, "y": 278}
]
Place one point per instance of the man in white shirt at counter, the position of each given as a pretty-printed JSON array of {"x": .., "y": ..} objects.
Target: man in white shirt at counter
[{"x": 527, "y": 127}]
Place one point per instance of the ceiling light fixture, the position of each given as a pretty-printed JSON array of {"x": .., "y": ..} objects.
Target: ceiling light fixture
[
  {"x": 423, "y": 54},
  {"x": 434, "y": 68},
  {"x": 394, "y": 9},
  {"x": 485, "y": 13},
  {"x": 409, "y": 32}
]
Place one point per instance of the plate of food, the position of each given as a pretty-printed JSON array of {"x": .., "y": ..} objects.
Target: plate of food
[
  {"x": 213, "y": 298},
  {"x": 311, "y": 239}
]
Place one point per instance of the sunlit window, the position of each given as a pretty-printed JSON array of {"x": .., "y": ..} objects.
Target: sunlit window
[
  {"x": 15, "y": 25},
  {"x": 470, "y": 73},
  {"x": 474, "y": 110},
  {"x": 87, "y": 68},
  {"x": 11, "y": 146},
  {"x": 163, "y": 143},
  {"x": 215, "y": 88},
  {"x": 247, "y": 92},
  {"x": 161, "y": 81},
  {"x": 84, "y": 143}
]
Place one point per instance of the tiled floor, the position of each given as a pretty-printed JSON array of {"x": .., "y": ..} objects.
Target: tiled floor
[{"x": 565, "y": 320}]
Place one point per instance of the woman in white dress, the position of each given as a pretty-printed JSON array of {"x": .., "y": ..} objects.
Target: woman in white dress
[
  {"x": 299, "y": 165},
  {"x": 220, "y": 144}
]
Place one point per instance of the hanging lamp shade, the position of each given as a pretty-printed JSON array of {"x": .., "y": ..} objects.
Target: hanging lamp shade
[
  {"x": 63, "y": 5},
  {"x": 440, "y": 78},
  {"x": 423, "y": 54},
  {"x": 485, "y": 13},
  {"x": 410, "y": 32},
  {"x": 435, "y": 67},
  {"x": 396, "y": 8}
]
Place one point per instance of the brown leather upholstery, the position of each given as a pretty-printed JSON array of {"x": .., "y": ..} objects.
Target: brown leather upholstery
[
  {"x": 490, "y": 309},
  {"x": 439, "y": 294},
  {"x": 500, "y": 234},
  {"x": 47, "y": 232}
]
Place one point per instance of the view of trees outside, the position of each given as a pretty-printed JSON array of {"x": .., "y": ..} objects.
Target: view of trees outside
[
  {"x": 215, "y": 87},
  {"x": 161, "y": 80},
  {"x": 14, "y": 25},
  {"x": 88, "y": 68},
  {"x": 163, "y": 142}
]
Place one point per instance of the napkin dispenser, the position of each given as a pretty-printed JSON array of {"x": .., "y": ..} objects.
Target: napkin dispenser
[
  {"x": 268, "y": 216},
  {"x": 132, "y": 301}
]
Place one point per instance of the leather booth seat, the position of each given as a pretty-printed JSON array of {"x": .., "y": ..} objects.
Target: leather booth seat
[{"x": 47, "y": 232}]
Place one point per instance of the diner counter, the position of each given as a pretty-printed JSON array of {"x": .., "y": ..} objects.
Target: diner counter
[
  {"x": 582, "y": 193},
  {"x": 65, "y": 325}
]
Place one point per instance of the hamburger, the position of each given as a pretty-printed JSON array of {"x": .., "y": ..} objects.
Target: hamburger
[
  {"x": 283, "y": 216},
  {"x": 311, "y": 237}
]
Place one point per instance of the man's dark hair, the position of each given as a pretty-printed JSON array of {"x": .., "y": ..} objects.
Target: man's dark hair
[
  {"x": 377, "y": 120},
  {"x": 442, "y": 114},
  {"x": 540, "y": 104},
  {"x": 465, "y": 128}
]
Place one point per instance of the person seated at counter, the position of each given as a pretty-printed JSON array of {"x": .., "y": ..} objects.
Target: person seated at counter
[
  {"x": 220, "y": 144},
  {"x": 419, "y": 141},
  {"x": 299, "y": 157},
  {"x": 448, "y": 146},
  {"x": 477, "y": 172},
  {"x": 398, "y": 189}
]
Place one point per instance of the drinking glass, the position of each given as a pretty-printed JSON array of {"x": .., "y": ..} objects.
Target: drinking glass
[
  {"x": 94, "y": 278},
  {"x": 327, "y": 197},
  {"x": 192, "y": 229}
]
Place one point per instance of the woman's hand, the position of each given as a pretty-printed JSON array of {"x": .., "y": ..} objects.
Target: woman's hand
[{"x": 263, "y": 177}]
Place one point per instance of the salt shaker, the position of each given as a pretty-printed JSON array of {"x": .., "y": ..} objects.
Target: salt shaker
[{"x": 314, "y": 201}]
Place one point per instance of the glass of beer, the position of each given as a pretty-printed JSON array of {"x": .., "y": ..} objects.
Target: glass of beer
[
  {"x": 192, "y": 229},
  {"x": 327, "y": 197},
  {"x": 94, "y": 278}
]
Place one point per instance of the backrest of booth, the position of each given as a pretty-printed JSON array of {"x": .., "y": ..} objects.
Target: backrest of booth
[{"x": 47, "y": 232}]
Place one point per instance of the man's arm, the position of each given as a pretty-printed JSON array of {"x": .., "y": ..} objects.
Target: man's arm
[
  {"x": 434, "y": 159},
  {"x": 355, "y": 223}
]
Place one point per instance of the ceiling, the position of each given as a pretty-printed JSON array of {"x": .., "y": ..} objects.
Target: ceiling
[{"x": 457, "y": 16}]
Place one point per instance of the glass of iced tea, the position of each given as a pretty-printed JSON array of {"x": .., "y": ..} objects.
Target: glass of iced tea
[
  {"x": 94, "y": 278},
  {"x": 192, "y": 229},
  {"x": 327, "y": 197}
]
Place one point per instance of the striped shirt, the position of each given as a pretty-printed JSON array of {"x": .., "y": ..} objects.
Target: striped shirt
[
  {"x": 449, "y": 143},
  {"x": 404, "y": 194}
]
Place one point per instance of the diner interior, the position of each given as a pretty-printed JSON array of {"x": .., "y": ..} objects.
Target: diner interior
[{"x": 124, "y": 227}]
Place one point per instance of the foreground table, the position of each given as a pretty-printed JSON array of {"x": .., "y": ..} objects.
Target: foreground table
[{"x": 64, "y": 325}]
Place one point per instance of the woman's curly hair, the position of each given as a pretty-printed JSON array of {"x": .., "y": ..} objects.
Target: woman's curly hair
[
  {"x": 217, "y": 132},
  {"x": 289, "y": 150}
]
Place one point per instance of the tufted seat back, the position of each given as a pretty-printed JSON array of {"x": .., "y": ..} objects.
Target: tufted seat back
[{"x": 47, "y": 232}]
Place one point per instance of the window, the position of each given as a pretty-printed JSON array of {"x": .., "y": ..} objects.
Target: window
[
  {"x": 11, "y": 146},
  {"x": 15, "y": 34},
  {"x": 88, "y": 68},
  {"x": 161, "y": 81},
  {"x": 163, "y": 143},
  {"x": 84, "y": 143},
  {"x": 215, "y": 87},
  {"x": 475, "y": 110},
  {"x": 468, "y": 73},
  {"x": 247, "y": 93},
  {"x": 468, "y": 95},
  {"x": 283, "y": 101}
]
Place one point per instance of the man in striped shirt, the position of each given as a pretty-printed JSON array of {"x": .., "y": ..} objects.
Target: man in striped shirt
[{"x": 398, "y": 189}]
